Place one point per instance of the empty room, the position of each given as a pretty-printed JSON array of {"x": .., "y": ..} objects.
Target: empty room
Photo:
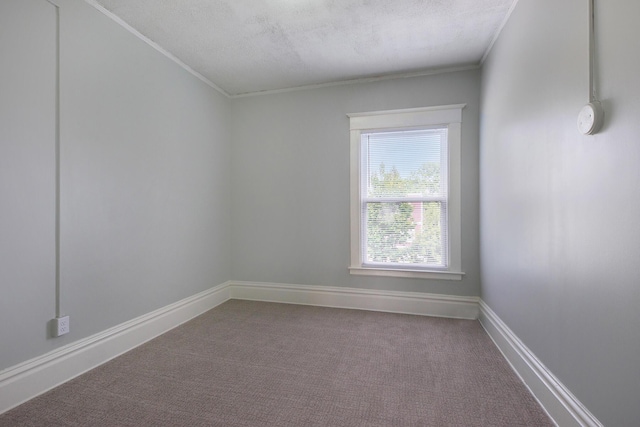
[{"x": 319, "y": 213}]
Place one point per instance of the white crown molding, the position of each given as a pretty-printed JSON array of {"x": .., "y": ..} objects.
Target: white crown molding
[
  {"x": 190, "y": 70},
  {"x": 154, "y": 45},
  {"x": 561, "y": 405},
  {"x": 429, "y": 72},
  {"x": 499, "y": 31}
]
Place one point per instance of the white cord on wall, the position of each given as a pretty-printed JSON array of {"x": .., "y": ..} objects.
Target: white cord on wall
[
  {"x": 591, "y": 117},
  {"x": 60, "y": 324}
]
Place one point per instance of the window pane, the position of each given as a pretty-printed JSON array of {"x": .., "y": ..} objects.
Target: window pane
[
  {"x": 404, "y": 163},
  {"x": 406, "y": 233}
]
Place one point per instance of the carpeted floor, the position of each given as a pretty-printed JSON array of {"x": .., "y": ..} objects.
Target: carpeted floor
[{"x": 263, "y": 364}]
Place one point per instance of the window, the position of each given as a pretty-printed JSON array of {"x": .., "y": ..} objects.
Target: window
[{"x": 405, "y": 193}]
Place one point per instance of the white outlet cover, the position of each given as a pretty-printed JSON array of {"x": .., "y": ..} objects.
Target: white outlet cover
[{"x": 60, "y": 326}]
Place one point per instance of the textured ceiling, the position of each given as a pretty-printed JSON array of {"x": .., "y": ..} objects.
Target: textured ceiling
[{"x": 245, "y": 46}]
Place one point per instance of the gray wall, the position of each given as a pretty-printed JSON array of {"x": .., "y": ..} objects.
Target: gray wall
[
  {"x": 27, "y": 178},
  {"x": 560, "y": 240},
  {"x": 157, "y": 205},
  {"x": 145, "y": 154},
  {"x": 291, "y": 181}
]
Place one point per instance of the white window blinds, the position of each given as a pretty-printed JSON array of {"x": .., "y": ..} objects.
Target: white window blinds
[{"x": 404, "y": 198}]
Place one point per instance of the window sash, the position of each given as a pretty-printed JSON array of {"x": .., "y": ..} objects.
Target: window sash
[
  {"x": 409, "y": 150},
  {"x": 402, "y": 244},
  {"x": 449, "y": 116},
  {"x": 411, "y": 248}
]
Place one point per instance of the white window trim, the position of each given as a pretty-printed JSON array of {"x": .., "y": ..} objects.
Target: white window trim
[{"x": 449, "y": 116}]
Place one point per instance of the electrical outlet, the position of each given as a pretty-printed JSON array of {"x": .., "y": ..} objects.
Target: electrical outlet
[{"x": 60, "y": 326}]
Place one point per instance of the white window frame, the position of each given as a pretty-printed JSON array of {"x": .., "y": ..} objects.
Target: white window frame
[{"x": 449, "y": 116}]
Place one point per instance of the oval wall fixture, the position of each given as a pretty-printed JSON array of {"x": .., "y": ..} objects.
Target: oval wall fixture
[{"x": 591, "y": 116}]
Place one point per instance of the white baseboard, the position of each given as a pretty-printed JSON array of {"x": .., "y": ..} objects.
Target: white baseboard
[
  {"x": 33, "y": 377},
  {"x": 562, "y": 406},
  {"x": 362, "y": 299}
]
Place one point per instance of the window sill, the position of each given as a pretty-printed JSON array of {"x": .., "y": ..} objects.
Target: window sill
[{"x": 412, "y": 274}]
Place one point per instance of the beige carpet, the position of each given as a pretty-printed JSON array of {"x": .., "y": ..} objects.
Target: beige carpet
[{"x": 264, "y": 364}]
